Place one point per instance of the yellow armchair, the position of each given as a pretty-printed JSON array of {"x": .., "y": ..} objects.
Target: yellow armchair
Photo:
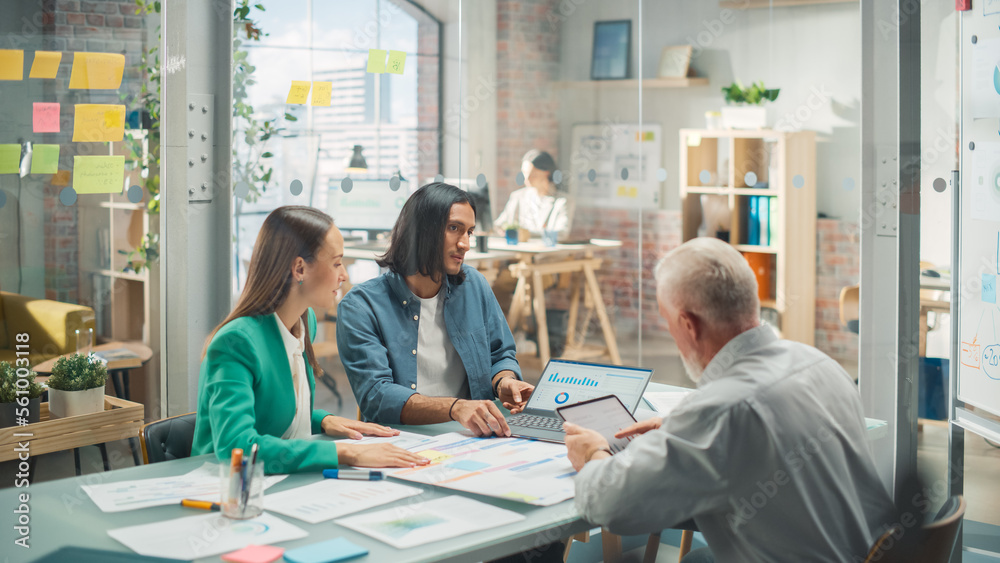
[{"x": 51, "y": 326}]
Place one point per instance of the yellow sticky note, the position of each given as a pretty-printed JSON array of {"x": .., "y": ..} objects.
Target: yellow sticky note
[
  {"x": 61, "y": 178},
  {"x": 298, "y": 93},
  {"x": 434, "y": 455},
  {"x": 96, "y": 71},
  {"x": 46, "y": 64},
  {"x": 397, "y": 60},
  {"x": 10, "y": 159},
  {"x": 11, "y": 64},
  {"x": 322, "y": 91},
  {"x": 376, "y": 61},
  {"x": 94, "y": 123},
  {"x": 44, "y": 159},
  {"x": 694, "y": 140},
  {"x": 99, "y": 174}
]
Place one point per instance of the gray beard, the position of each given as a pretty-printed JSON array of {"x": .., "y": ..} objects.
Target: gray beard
[{"x": 694, "y": 371}]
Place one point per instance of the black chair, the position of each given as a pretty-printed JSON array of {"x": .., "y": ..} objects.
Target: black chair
[
  {"x": 931, "y": 543},
  {"x": 167, "y": 439}
]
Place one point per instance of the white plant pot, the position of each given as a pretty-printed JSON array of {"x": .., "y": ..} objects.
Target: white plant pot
[
  {"x": 744, "y": 117},
  {"x": 75, "y": 403}
]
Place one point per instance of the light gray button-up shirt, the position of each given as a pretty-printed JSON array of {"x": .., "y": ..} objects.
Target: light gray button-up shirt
[{"x": 769, "y": 456}]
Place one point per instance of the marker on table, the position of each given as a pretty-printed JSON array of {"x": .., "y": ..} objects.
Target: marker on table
[
  {"x": 202, "y": 504},
  {"x": 355, "y": 474}
]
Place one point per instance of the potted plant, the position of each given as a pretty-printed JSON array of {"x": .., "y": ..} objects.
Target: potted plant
[
  {"x": 20, "y": 397},
  {"x": 511, "y": 232},
  {"x": 77, "y": 386},
  {"x": 746, "y": 109}
]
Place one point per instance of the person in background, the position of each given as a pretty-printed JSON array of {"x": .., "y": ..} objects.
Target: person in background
[
  {"x": 257, "y": 372},
  {"x": 769, "y": 455},
  {"x": 426, "y": 342},
  {"x": 537, "y": 206}
]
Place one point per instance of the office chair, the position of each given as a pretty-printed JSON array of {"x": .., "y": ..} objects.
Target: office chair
[
  {"x": 167, "y": 439},
  {"x": 934, "y": 544}
]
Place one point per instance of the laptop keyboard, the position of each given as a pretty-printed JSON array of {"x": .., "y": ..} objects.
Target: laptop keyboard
[{"x": 539, "y": 422}]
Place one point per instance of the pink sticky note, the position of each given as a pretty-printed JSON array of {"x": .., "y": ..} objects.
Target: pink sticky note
[
  {"x": 254, "y": 554},
  {"x": 46, "y": 117}
]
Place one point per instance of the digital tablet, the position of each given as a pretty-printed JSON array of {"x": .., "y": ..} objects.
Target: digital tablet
[{"x": 606, "y": 415}]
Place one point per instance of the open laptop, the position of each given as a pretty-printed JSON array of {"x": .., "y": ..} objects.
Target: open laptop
[{"x": 565, "y": 382}]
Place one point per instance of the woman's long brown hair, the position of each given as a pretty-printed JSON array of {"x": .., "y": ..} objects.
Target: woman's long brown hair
[{"x": 288, "y": 233}]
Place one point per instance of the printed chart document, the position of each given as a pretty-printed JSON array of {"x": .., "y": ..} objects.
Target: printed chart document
[
  {"x": 405, "y": 440},
  {"x": 201, "y": 484},
  {"x": 434, "y": 520},
  {"x": 526, "y": 471},
  {"x": 204, "y": 535},
  {"x": 665, "y": 401},
  {"x": 331, "y": 498}
]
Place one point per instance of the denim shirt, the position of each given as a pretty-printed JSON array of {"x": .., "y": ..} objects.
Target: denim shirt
[{"x": 377, "y": 338}]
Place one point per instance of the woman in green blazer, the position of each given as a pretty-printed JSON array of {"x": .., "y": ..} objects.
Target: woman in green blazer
[{"x": 256, "y": 383}]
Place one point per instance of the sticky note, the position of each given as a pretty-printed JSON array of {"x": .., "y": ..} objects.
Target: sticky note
[
  {"x": 376, "y": 61},
  {"x": 397, "y": 60},
  {"x": 694, "y": 140},
  {"x": 298, "y": 93},
  {"x": 45, "y": 117},
  {"x": 44, "y": 159},
  {"x": 96, "y": 71},
  {"x": 46, "y": 64},
  {"x": 61, "y": 178},
  {"x": 99, "y": 174},
  {"x": 434, "y": 455},
  {"x": 989, "y": 288},
  {"x": 254, "y": 554},
  {"x": 329, "y": 551},
  {"x": 11, "y": 64},
  {"x": 322, "y": 91},
  {"x": 10, "y": 159},
  {"x": 93, "y": 123}
]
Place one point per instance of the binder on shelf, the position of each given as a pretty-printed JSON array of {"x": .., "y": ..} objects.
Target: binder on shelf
[
  {"x": 773, "y": 223},
  {"x": 762, "y": 208},
  {"x": 753, "y": 231}
]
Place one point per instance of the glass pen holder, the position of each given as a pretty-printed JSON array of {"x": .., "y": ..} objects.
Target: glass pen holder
[
  {"x": 84, "y": 341},
  {"x": 242, "y": 491}
]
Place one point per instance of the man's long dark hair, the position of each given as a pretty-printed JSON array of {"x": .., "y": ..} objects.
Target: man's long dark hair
[{"x": 416, "y": 245}]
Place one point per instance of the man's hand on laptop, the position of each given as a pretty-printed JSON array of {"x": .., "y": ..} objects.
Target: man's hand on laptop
[
  {"x": 481, "y": 417},
  {"x": 640, "y": 427},
  {"x": 514, "y": 394}
]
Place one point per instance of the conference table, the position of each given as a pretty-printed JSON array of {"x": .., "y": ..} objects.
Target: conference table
[{"x": 61, "y": 514}]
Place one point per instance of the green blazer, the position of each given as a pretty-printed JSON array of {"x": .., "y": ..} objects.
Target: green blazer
[{"x": 246, "y": 396}]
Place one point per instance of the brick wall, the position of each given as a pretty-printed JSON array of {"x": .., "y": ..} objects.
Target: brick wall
[
  {"x": 838, "y": 264},
  {"x": 527, "y": 64},
  {"x": 109, "y": 26}
]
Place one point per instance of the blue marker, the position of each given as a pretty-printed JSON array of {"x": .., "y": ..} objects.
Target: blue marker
[{"x": 353, "y": 474}]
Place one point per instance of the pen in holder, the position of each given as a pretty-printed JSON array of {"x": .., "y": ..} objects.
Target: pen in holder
[{"x": 242, "y": 490}]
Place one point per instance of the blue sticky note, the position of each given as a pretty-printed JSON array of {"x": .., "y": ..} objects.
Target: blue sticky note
[
  {"x": 989, "y": 288},
  {"x": 338, "y": 549},
  {"x": 469, "y": 465}
]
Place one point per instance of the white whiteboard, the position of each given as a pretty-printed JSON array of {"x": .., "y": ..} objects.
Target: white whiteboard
[
  {"x": 978, "y": 263},
  {"x": 607, "y": 149}
]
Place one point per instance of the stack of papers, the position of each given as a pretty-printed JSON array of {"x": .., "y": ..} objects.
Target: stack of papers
[{"x": 330, "y": 498}]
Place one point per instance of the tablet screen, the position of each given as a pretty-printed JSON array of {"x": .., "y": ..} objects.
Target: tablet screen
[{"x": 606, "y": 415}]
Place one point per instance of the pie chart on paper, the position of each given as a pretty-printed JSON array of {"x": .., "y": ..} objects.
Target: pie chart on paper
[{"x": 996, "y": 78}]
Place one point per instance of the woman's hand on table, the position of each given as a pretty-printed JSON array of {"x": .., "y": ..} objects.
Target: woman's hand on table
[
  {"x": 377, "y": 455},
  {"x": 354, "y": 429}
]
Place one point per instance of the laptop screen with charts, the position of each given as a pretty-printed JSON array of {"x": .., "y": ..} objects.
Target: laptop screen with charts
[{"x": 565, "y": 382}]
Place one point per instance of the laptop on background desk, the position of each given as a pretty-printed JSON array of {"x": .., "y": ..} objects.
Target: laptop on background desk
[{"x": 565, "y": 382}]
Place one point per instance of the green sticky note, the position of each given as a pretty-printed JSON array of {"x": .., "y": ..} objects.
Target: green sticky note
[
  {"x": 376, "y": 61},
  {"x": 99, "y": 174},
  {"x": 10, "y": 159},
  {"x": 45, "y": 159},
  {"x": 397, "y": 60}
]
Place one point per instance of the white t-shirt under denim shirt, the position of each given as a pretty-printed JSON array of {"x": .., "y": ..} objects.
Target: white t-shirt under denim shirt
[
  {"x": 301, "y": 426},
  {"x": 440, "y": 372}
]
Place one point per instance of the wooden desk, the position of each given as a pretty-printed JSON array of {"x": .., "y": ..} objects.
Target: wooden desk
[
  {"x": 577, "y": 260},
  {"x": 118, "y": 376}
]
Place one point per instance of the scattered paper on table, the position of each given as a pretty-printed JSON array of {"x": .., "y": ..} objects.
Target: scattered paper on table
[
  {"x": 10, "y": 159},
  {"x": 298, "y": 93},
  {"x": 96, "y": 71},
  {"x": 45, "y": 117},
  {"x": 321, "y": 93},
  {"x": 44, "y": 159},
  {"x": 406, "y": 440},
  {"x": 665, "y": 401},
  {"x": 376, "y": 61},
  {"x": 95, "y": 123},
  {"x": 199, "y": 484},
  {"x": 331, "y": 498},
  {"x": 46, "y": 64},
  {"x": 416, "y": 524},
  {"x": 397, "y": 61},
  {"x": 11, "y": 64},
  {"x": 194, "y": 537}
]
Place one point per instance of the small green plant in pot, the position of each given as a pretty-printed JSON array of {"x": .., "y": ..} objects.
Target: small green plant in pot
[
  {"x": 77, "y": 386},
  {"x": 745, "y": 105},
  {"x": 20, "y": 396}
]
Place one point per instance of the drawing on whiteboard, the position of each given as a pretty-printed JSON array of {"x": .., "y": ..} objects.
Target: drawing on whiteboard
[
  {"x": 985, "y": 90},
  {"x": 985, "y": 182}
]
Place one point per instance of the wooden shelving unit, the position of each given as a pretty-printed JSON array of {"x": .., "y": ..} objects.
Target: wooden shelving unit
[
  {"x": 786, "y": 162},
  {"x": 648, "y": 83}
]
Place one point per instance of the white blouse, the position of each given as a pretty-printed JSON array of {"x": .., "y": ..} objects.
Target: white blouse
[{"x": 301, "y": 426}]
